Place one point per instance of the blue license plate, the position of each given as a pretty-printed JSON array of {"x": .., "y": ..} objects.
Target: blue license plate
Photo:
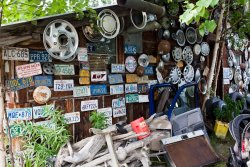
[
  {"x": 39, "y": 56},
  {"x": 43, "y": 81},
  {"x": 149, "y": 70},
  {"x": 115, "y": 78},
  {"x": 18, "y": 84},
  {"x": 98, "y": 89}
]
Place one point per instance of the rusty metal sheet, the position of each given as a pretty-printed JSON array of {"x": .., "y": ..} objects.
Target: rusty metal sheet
[
  {"x": 84, "y": 81},
  {"x": 131, "y": 78}
]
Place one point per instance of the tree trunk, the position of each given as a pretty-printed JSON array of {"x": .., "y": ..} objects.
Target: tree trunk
[
  {"x": 1, "y": 12},
  {"x": 2, "y": 149}
]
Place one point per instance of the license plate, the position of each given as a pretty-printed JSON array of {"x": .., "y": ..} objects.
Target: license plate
[
  {"x": 72, "y": 118},
  {"x": 115, "y": 78},
  {"x": 28, "y": 70},
  {"x": 47, "y": 123},
  {"x": 18, "y": 84},
  {"x": 64, "y": 69},
  {"x": 39, "y": 111},
  {"x": 89, "y": 105},
  {"x": 119, "y": 112},
  {"x": 12, "y": 53},
  {"x": 118, "y": 103},
  {"x": 117, "y": 68},
  {"x": 149, "y": 70},
  {"x": 116, "y": 89},
  {"x": 143, "y": 79},
  {"x": 132, "y": 98},
  {"x": 84, "y": 65},
  {"x": 46, "y": 80},
  {"x": 84, "y": 81},
  {"x": 82, "y": 54},
  {"x": 131, "y": 78},
  {"x": 98, "y": 89},
  {"x": 98, "y": 76},
  {"x": 143, "y": 88},
  {"x": 39, "y": 56},
  {"x": 109, "y": 121},
  {"x": 130, "y": 49},
  {"x": 63, "y": 85},
  {"x": 80, "y": 91},
  {"x": 84, "y": 73},
  {"x": 106, "y": 111},
  {"x": 130, "y": 88},
  {"x": 19, "y": 114},
  {"x": 15, "y": 130},
  {"x": 143, "y": 99},
  {"x": 152, "y": 82}
]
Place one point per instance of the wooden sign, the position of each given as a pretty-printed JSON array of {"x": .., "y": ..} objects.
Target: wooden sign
[
  {"x": 46, "y": 80},
  {"x": 39, "y": 56},
  {"x": 64, "y": 69},
  {"x": 106, "y": 111},
  {"x": 132, "y": 98},
  {"x": 109, "y": 121},
  {"x": 116, "y": 89},
  {"x": 117, "y": 68},
  {"x": 84, "y": 73},
  {"x": 98, "y": 76},
  {"x": 39, "y": 111},
  {"x": 80, "y": 91},
  {"x": 118, "y": 103},
  {"x": 84, "y": 65},
  {"x": 82, "y": 54},
  {"x": 152, "y": 59},
  {"x": 19, "y": 114},
  {"x": 130, "y": 49},
  {"x": 98, "y": 90},
  {"x": 131, "y": 78},
  {"x": 115, "y": 78},
  {"x": 89, "y": 105},
  {"x": 143, "y": 79},
  {"x": 119, "y": 112},
  {"x": 143, "y": 99},
  {"x": 149, "y": 70},
  {"x": 130, "y": 88},
  {"x": 71, "y": 118},
  {"x": 18, "y": 84},
  {"x": 143, "y": 88},
  {"x": 63, "y": 85},
  {"x": 28, "y": 70},
  {"x": 84, "y": 81},
  {"x": 13, "y": 53}
]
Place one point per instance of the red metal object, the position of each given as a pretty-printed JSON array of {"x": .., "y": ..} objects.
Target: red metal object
[{"x": 139, "y": 126}]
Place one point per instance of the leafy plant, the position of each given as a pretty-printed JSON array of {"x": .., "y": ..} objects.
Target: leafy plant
[{"x": 98, "y": 120}]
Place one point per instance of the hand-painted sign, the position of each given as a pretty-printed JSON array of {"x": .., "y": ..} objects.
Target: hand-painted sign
[
  {"x": 149, "y": 70},
  {"x": 109, "y": 121},
  {"x": 117, "y": 68},
  {"x": 19, "y": 114},
  {"x": 115, "y": 78},
  {"x": 71, "y": 118},
  {"x": 143, "y": 99},
  {"x": 63, "y": 85},
  {"x": 143, "y": 88},
  {"x": 130, "y": 49},
  {"x": 84, "y": 73},
  {"x": 80, "y": 91},
  {"x": 98, "y": 89},
  {"x": 131, "y": 78},
  {"x": 116, "y": 89},
  {"x": 84, "y": 81},
  {"x": 12, "y": 53},
  {"x": 64, "y": 69},
  {"x": 98, "y": 76},
  {"x": 106, "y": 111},
  {"x": 143, "y": 79},
  {"x": 84, "y": 65},
  {"x": 39, "y": 56},
  {"x": 46, "y": 80},
  {"x": 119, "y": 112},
  {"x": 132, "y": 98},
  {"x": 118, "y": 103},
  {"x": 28, "y": 70},
  {"x": 83, "y": 54},
  {"x": 130, "y": 88},
  {"x": 130, "y": 64},
  {"x": 89, "y": 105},
  {"x": 39, "y": 111},
  {"x": 18, "y": 84}
]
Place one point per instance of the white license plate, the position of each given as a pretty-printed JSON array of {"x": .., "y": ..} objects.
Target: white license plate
[
  {"x": 73, "y": 117},
  {"x": 63, "y": 85},
  {"x": 12, "y": 53},
  {"x": 89, "y": 105}
]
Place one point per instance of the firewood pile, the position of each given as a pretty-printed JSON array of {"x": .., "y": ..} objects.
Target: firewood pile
[{"x": 112, "y": 147}]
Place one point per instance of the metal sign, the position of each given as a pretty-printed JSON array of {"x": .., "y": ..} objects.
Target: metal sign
[
  {"x": 109, "y": 121},
  {"x": 84, "y": 65},
  {"x": 28, "y": 70},
  {"x": 89, "y": 105},
  {"x": 130, "y": 49},
  {"x": 143, "y": 79},
  {"x": 15, "y": 130},
  {"x": 130, "y": 64},
  {"x": 39, "y": 111},
  {"x": 83, "y": 54},
  {"x": 98, "y": 89},
  {"x": 47, "y": 123},
  {"x": 116, "y": 89},
  {"x": 106, "y": 111},
  {"x": 131, "y": 78},
  {"x": 12, "y": 53},
  {"x": 80, "y": 91},
  {"x": 117, "y": 68},
  {"x": 132, "y": 98},
  {"x": 115, "y": 78},
  {"x": 71, "y": 118},
  {"x": 84, "y": 81},
  {"x": 130, "y": 88},
  {"x": 18, "y": 84},
  {"x": 19, "y": 114},
  {"x": 118, "y": 103},
  {"x": 39, "y": 56},
  {"x": 46, "y": 80},
  {"x": 98, "y": 76},
  {"x": 143, "y": 99},
  {"x": 149, "y": 70},
  {"x": 143, "y": 88},
  {"x": 119, "y": 112},
  {"x": 63, "y": 85},
  {"x": 64, "y": 69},
  {"x": 84, "y": 73}
]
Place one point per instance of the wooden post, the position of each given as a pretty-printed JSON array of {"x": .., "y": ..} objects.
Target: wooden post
[{"x": 2, "y": 136}]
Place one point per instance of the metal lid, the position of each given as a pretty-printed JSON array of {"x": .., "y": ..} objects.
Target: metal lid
[
  {"x": 191, "y": 35},
  {"x": 165, "y": 57},
  {"x": 180, "y": 38},
  {"x": 175, "y": 75},
  {"x": 197, "y": 49},
  {"x": 42, "y": 94},
  {"x": 48, "y": 68},
  {"x": 177, "y": 54},
  {"x": 130, "y": 64},
  {"x": 143, "y": 60},
  {"x": 188, "y": 73},
  {"x": 197, "y": 76},
  {"x": 188, "y": 55},
  {"x": 205, "y": 49},
  {"x": 91, "y": 34}
]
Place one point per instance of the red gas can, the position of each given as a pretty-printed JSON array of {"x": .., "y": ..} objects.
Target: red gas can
[{"x": 139, "y": 126}]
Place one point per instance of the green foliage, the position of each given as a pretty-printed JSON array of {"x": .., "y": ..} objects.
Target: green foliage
[{"x": 98, "y": 120}]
